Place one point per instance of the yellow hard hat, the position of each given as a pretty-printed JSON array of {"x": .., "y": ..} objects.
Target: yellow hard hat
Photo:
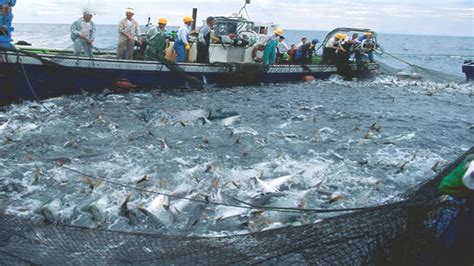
[
  {"x": 340, "y": 36},
  {"x": 130, "y": 10},
  {"x": 368, "y": 33},
  {"x": 279, "y": 32},
  {"x": 188, "y": 19},
  {"x": 163, "y": 21}
]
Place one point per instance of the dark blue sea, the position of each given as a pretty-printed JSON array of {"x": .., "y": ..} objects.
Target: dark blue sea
[{"x": 325, "y": 144}]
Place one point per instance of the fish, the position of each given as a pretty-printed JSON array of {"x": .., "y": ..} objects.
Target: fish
[
  {"x": 94, "y": 211},
  {"x": 263, "y": 199},
  {"x": 220, "y": 115},
  {"x": 195, "y": 214},
  {"x": 435, "y": 166},
  {"x": 128, "y": 213},
  {"x": 335, "y": 197},
  {"x": 375, "y": 126},
  {"x": 229, "y": 121},
  {"x": 204, "y": 121},
  {"x": 37, "y": 173},
  {"x": 158, "y": 202},
  {"x": 5, "y": 125},
  {"x": 155, "y": 221},
  {"x": 92, "y": 182},
  {"x": 273, "y": 185},
  {"x": 143, "y": 179},
  {"x": 48, "y": 211},
  {"x": 164, "y": 144},
  {"x": 61, "y": 160}
]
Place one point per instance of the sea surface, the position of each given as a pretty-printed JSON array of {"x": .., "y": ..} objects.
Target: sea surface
[{"x": 323, "y": 144}]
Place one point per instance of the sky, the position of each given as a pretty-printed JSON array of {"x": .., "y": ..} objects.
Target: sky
[{"x": 437, "y": 17}]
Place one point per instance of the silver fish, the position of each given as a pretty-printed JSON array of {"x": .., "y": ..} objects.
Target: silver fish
[{"x": 128, "y": 213}]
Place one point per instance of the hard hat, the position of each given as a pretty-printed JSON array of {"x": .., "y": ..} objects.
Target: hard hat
[
  {"x": 87, "y": 12},
  {"x": 368, "y": 33},
  {"x": 188, "y": 19},
  {"x": 340, "y": 36},
  {"x": 315, "y": 41},
  {"x": 279, "y": 32},
  {"x": 130, "y": 10},
  {"x": 163, "y": 21},
  {"x": 468, "y": 178}
]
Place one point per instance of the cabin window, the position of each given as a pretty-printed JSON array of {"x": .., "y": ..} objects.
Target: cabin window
[{"x": 225, "y": 28}]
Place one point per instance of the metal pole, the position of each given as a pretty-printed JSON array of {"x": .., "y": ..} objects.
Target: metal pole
[{"x": 195, "y": 11}]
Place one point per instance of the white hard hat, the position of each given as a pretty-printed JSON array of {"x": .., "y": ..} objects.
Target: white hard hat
[
  {"x": 468, "y": 178},
  {"x": 88, "y": 12},
  {"x": 130, "y": 10}
]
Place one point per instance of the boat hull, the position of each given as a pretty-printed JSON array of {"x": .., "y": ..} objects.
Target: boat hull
[
  {"x": 468, "y": 69},
  {"x": 25, "y": 77}
]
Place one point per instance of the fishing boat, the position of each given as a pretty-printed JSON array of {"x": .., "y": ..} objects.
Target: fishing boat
[
  {"x": 468, "y": 69},
  {"x": 38, "y": 73}
]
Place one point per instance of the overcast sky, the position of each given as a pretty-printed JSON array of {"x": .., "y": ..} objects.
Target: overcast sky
[{"x": 448, "y": 17}]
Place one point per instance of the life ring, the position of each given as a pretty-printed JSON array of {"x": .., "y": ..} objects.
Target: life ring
[{"x": 257, "y": 53}]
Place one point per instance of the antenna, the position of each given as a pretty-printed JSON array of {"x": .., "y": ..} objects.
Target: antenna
[{"x": 247, "y": 2}]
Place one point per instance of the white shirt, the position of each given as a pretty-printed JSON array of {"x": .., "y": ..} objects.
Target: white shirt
[
  {"x": 183, "y": 33},
  {"x": 203, "y": 32},
  {"x": 282, "y": 47},
  {"x": 86, "y": 28}
]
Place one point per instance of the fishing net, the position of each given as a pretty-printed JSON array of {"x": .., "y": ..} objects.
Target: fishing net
[
  {"x": 400, "y": 233},
  {"x": 423, "y": 72}
]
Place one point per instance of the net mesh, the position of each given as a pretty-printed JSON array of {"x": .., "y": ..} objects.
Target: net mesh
[{"x": 399, "y": 233}]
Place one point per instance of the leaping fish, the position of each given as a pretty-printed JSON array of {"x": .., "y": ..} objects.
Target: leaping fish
[{"x": 273, "y": 185}]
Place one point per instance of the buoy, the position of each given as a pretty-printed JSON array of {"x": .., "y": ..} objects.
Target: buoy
[
  {"x": 308, "y": 78},
  {"x": 416, "y": 76},
  {"x": 125, "y": 84}
]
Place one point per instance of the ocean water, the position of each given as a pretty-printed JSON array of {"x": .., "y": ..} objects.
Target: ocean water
[{"x": 325, "y": 144}]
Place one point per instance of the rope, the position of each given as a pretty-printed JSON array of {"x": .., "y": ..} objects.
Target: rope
[{"x": 31, "y": 87}]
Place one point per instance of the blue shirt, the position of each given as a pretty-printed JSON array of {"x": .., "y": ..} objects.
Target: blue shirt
[
  {"x": 10, "y": 2},
  {"x": 6, "y": 22}
]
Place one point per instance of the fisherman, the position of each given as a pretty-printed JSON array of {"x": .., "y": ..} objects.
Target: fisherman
[
  {"x": 181, "y": 45},
  {"x": 204, "y": 40},
  {"x": 304, "y": 54},
  {"x": 6, "y": 18},
  {"x": 304, "y": 40},
  {"x": 83, "y": 34},
  {"x": 292, "y": 53},
  {"x": 269, "y": 54},
  {"x": 341, "y": 59},
  {"x": 282, "y": 50},
  {"x": 332, "y": 46},
  {"x": 366, "y": 37},
  {"x": 129, "y": 32},
  {"x": 157, "y": 39},
  {"x": 458, "y": 237}
]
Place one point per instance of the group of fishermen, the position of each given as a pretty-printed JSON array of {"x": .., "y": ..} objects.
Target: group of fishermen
[
  {"x": 275, "y": 50},
  {"x": 339, "y": 49},
  {"x": 157, "y": 38}
]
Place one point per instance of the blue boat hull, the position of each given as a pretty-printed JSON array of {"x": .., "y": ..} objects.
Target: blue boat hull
[{"x": 25, "y": 77}]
